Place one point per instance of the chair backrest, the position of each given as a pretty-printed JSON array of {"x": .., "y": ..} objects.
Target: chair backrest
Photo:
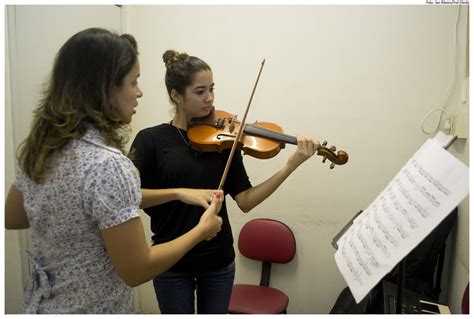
[{"x": 267, "y": 240}]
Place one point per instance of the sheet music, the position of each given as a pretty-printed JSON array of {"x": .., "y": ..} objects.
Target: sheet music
[
  {"x": 444, "y": 140},
  {"x": 430, "y": 185}
]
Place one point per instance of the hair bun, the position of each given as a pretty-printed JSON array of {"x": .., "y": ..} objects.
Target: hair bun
[{"x": 171, "y": 56}]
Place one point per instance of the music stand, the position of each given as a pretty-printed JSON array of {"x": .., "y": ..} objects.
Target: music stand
[{"x": 446, "y": 141}]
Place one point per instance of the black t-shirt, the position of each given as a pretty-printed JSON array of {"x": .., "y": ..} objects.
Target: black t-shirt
[{"x": 165, "y": 160}]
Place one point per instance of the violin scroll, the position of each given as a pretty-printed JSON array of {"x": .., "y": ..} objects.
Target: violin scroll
[{"x": 340, "y": 158}]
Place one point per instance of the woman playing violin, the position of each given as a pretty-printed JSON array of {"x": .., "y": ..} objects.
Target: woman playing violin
[{"x": 178, "y": 182}]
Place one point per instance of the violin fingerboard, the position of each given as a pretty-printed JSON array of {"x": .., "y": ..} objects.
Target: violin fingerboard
[{"x": 263, "y": 132}]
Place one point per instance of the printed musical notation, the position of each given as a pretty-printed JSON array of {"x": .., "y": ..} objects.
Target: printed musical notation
[{"x": 430, "y": 185}]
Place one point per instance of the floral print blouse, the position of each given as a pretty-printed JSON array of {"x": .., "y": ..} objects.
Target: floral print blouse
[{"x": 88, "y": 187}]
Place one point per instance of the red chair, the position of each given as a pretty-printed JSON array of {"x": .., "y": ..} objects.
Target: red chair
[{"x": 268, "y": 241}]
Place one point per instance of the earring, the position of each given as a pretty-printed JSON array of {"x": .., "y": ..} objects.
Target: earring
[{"x": 178, "y": 101}]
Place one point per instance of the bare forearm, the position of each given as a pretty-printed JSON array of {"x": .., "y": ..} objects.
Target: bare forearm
[
  {"x": 15, "y": 214},
  {"x": 197, "y": 197},
  {"x": 165, "y": 255},
  {"x": 162, "y": 256},
  {"x": 134, "y": 260},
  {"x": 137, "y": 263},
  {"x": 254, "y": 196},
  {"x": 153, "y": 197}
]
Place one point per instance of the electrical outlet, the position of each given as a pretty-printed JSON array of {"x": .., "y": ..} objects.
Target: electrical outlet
[
  {"x": 459, "y": 126},
  {"x": 447, "y": 125}
]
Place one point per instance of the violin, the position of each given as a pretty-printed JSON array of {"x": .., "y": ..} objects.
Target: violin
[{"x": 218, "y": 131}]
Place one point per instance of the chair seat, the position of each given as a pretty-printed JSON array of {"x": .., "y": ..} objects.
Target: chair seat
[{"x": 254, "y": 299}]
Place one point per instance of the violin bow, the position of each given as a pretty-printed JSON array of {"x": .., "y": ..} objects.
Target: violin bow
[{"x": 239, "y": 134}]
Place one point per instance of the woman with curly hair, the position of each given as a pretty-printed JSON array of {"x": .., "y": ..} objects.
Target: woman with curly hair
[{"x": 80, "y": 194}]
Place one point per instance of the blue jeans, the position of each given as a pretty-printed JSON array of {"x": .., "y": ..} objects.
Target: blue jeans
[{"x": 175, "y": 291}]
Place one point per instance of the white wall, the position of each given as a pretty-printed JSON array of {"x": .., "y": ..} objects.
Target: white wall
[
  {"x": 361, "y": 77},
  {"x": 14, "y": 276},
  {"x": 458, "y": 250}
]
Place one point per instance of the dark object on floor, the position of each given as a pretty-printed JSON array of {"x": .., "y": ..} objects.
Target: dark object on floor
[{"x": 424, "y": 269}]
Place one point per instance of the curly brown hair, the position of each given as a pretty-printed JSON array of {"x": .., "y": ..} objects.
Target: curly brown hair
[{"x": 87, "y": 71}]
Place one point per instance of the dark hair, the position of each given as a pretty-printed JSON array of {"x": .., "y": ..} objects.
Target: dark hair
[
  {"x": 86, "y": 73},
  {"x": 180, "y": 70}
]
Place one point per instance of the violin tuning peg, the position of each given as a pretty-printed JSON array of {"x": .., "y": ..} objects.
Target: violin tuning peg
[
  {"x": 332, "y": 165},
  {"x": 324, "y": 143},
  {"x": 333, "y": 148},
  {"x": 324, "y": 159}
]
